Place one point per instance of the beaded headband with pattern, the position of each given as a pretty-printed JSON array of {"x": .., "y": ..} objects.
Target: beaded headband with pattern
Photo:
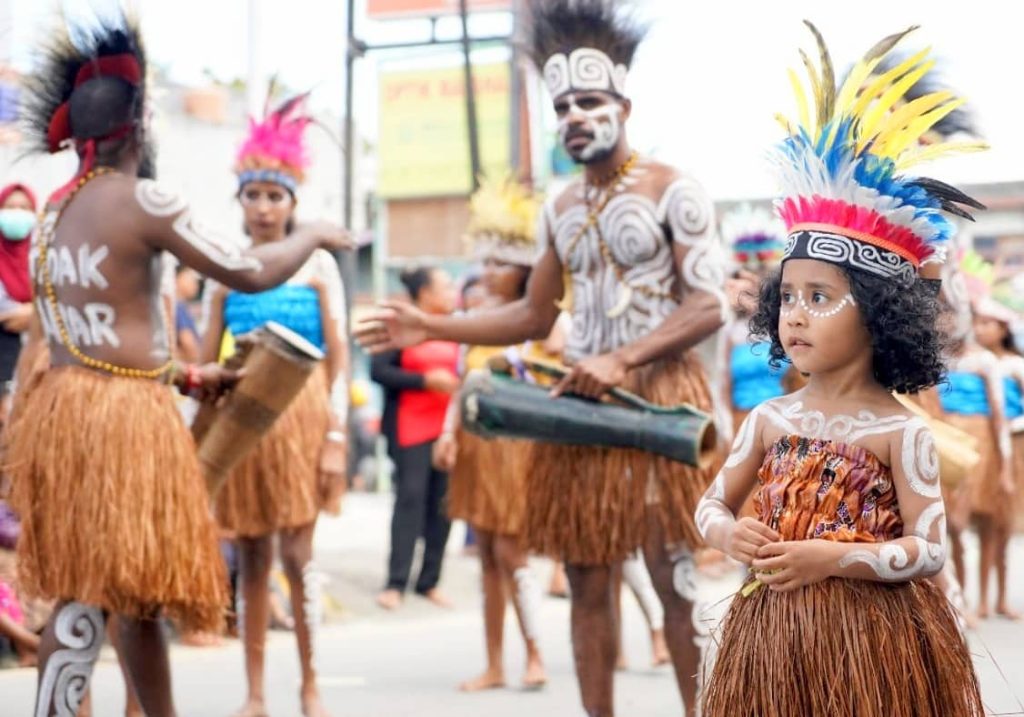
[
  {"x": 503, "y": 221},
  {"x": 583, "y": 45},
  {"x": 275, "y": 149},
  {"x": 844, "y": 200}
]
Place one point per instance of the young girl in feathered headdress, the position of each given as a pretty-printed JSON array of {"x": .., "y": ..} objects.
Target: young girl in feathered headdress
[{"x": 837, "y": 617}]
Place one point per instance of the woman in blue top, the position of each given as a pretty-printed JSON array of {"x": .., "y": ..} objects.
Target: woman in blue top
[
  {"x": 973, "y": 400},
  {"x": 1001, "y": 507},
  {"x": 298, "y": 469},
  {"x": 756, "y": 239}
]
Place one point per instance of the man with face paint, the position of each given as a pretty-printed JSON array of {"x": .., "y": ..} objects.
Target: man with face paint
[
  {"x": 115, "y": 518},
  {"x": 631, "y": 247}
]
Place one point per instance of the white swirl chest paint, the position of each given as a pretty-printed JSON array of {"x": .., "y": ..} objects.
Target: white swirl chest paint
[{"x": 606, "y": 315}]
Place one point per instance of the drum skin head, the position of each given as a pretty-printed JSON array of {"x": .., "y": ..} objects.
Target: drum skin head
[{"x": 293, "y": 341}]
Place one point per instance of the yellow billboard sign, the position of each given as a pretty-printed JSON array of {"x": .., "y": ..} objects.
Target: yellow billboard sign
[{"x": 424, "y": 139}]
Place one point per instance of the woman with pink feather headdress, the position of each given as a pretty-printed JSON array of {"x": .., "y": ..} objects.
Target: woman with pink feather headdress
[{"x": 298, "y": 468}]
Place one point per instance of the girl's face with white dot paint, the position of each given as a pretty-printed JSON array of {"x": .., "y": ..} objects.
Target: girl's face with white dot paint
[{"x": 820, "y": 326}]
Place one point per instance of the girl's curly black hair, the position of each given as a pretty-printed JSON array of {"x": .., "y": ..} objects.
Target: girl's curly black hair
[{"x": 902, "y": 321}]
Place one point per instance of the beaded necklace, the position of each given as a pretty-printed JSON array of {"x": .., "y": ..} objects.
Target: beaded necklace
[
  {"x": 605, "y": 188},
  {"x": 51, "y": 297}
]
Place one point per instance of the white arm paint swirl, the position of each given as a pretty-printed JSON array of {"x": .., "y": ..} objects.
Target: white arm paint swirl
[
  {"x": 921, "y": 552},
  {"x": 716, "y": 513},
  {"x": 160, "y": 202},
  {"x": 690, "y": 214}
]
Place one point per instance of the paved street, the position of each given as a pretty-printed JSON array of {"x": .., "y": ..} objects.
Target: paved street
[{"x": 408, "y": 663}]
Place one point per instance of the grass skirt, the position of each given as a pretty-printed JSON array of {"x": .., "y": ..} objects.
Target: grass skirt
[
  {"x": 843, "y": 647},
  {"x": 980, "y": 494},
  {"x": 113, "y": 505},
  {"x": 277, "y": 486},
  {"x": 589, "y": 505},
  {"x": 487, "y": 487}
]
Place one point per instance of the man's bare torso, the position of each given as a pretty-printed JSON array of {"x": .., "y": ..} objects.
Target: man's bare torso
[{"x": 627, "y": 275}]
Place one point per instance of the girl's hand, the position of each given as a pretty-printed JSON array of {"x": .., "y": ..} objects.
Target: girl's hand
[
  {"x": 748, "y": 536},
  {"x": 792, "y": 564}
]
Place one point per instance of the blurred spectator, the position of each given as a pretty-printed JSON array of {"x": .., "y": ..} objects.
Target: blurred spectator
[
  {"x": 17, "y": 219},
  {"x": 417, "y": 383},
  {"x": 186, "y": 333}
]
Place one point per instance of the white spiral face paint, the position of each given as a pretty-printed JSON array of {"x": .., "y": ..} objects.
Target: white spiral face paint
[
  {"x": 601, "y": 122},
  {"x": 786, "y": 309},
  {"x": 65, "y": 679}
]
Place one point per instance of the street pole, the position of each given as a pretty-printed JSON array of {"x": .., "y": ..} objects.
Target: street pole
[
  {"x": 347, "y": 260},
  {"x": 255, "y": 90},
  {"x": 467, "y": 66},
  {"x": 515, "y": 88}
]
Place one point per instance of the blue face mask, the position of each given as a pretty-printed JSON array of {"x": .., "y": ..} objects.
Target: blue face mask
[{"x": 16, "y": 224}]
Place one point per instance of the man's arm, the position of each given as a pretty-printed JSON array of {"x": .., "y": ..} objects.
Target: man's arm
[
  {"x": 399, "y": 324},
  {"x": 168, "y": 224},
  {"x": 690, "y": 216}
]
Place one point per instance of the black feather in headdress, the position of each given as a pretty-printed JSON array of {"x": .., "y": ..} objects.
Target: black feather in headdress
[
  {"x": 561, "y": 26},
  {"x": 86, "y": 86},
  {"x": 957, "y": 121}
]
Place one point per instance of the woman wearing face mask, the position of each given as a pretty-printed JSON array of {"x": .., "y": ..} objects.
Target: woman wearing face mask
[
  {"x": 17, "y": 219},
  {"x": 298, "y": 468}
]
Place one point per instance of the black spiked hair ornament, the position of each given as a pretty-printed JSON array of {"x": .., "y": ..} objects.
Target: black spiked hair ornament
[
  {"x": 583, "y": 45},
  {"x": 89, "y": 86}
]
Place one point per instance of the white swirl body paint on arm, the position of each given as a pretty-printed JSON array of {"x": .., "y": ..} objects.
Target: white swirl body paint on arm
[
  {"x": 714, "y": 517},
  {"x": 158, "y": 201},
  {"x": 921, "y": 552},
  {"x": 690, "y": 214}
]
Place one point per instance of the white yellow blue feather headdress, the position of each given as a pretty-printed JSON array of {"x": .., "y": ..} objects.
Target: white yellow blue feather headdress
[{"x": 844, "y": 198}]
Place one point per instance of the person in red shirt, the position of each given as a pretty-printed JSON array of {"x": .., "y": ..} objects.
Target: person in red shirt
[{"x": 418, "y": 383}]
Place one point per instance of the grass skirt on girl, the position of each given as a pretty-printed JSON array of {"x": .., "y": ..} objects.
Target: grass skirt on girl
[
  {"x": 840, "y": 646},
  {"x": 277, "y": 486},
  {"x": 487, "y": 486}
]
